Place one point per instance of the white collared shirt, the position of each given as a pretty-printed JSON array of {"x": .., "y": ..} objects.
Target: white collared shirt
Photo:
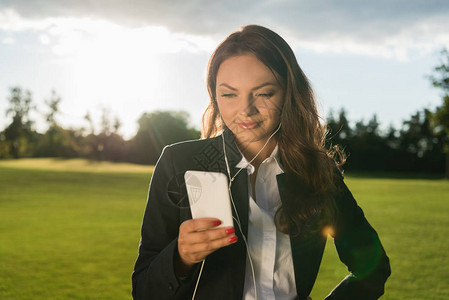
[{"x": 270, "y": 249}]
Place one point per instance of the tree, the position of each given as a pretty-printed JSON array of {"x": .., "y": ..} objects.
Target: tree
[
  {"x": 369, "y": 149},
  {"x": 57, "y": 141},
  {"x": 18, "y": 134},
  {"x": 89, "y": 120},
  {"x": 419, "y": 147},
  {"x": 111, "y": 144},
  {"x": 48, "y": 143},
  {"x": 440, "y": 79},
  {"x": 156, "y": 130},
  {"x": 339, "y": 129},
  {"x": 53, "y": 105},
  {"x": 106, "y": 144}
]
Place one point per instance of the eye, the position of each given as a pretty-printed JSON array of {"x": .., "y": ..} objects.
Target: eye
[
  {"x": 264, "y": 95},
  {"x": 228, "y": 95}
]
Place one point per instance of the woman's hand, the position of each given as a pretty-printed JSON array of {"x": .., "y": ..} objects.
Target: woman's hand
[{"x": 198, "y": 238}]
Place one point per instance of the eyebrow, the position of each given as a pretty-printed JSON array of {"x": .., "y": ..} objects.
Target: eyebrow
[{"x": 256, "y": 88}]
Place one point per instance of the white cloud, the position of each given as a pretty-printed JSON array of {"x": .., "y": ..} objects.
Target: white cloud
[
  {"x": 8, "y": 40},
  {"x": 70, "y": 35},
  {"x": 44, "y": 39},
  {"x": 396, "y": 29},
  {"x": 11, "y": 21},
  {"x": 421, "y": 39}
]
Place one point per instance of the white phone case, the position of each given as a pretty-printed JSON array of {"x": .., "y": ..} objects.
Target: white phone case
[{"x": 209, "y": 196}]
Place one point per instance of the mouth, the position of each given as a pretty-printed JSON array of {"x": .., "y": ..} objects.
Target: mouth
[{"x": 248, "y": 124}]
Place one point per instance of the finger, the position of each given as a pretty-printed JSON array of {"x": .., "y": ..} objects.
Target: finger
[
  {"x": 211, "y": 246},
  {"x": 199, "y": 224},
  {"x": 194, "y": 253},
  {"x": 198, "y": 256},
  {"x": 207, "y": 235}
]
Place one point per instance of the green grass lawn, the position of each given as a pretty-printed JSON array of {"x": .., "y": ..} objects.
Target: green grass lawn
[
  {"x": 67, "y": 232},
  {"x": 411, "y": 217}
]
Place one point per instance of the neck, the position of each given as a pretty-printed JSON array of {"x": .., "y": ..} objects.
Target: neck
[{"x": 250, "y": 150}]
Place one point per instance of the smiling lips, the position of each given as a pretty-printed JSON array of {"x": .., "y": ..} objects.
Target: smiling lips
[{"x": 248, "y": 124}]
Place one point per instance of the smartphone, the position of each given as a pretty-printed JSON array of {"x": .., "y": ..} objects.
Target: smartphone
[{"x": 208, "y": 194}]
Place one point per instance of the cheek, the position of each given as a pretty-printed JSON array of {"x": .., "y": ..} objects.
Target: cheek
[
  {"x": 273, "y": 109},
  {"x": 279, "y": 104},
  {"x": 227, "y": 111}
]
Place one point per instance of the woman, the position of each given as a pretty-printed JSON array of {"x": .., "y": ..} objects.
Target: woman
[{"x": 262, "y": 130}]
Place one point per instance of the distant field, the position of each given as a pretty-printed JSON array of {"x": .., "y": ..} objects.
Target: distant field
[
  {"x": 70, "y": 230},
  {"x": 74, "y": 165}
]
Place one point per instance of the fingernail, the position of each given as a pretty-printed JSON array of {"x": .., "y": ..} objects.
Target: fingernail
[
  {"x": 230, "y": 230},
  {"x": 232, "y": 239},
  {"x": 217, "y": 222}
]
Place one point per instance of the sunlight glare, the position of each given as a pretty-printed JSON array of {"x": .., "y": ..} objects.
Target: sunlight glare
[
  {"x": 112, "y": 62},
  {"x": 328, "y": 231}
]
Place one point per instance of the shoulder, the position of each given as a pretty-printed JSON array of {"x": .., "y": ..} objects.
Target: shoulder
[
  {"x": 190, "y": 145},
  {"x": 193, "y": 154}
]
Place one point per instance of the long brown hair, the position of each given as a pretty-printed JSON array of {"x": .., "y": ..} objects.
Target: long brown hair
[{"x": 301, "y": 138}]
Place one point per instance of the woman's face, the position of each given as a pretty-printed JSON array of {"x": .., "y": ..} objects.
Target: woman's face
[{"x": 249, "y": 98}]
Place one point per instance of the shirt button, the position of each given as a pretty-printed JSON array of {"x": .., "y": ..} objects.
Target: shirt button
[{"x": 170, "y": 287}]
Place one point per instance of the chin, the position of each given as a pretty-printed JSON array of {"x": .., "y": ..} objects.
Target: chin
[{"x": 250, "y": 136}]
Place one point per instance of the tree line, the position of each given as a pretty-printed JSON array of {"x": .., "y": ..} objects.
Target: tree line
[
  {"x": 156, "y": 129},
  {"x": 421, "y": 144},
  {"x": 415, "y": 147}
]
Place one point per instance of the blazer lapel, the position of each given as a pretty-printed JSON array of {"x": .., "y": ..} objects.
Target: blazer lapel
[
  {"x": 239, "y": 186},
  {"x": 307, "y": 249},
  {"x": 239, "y": 191}
]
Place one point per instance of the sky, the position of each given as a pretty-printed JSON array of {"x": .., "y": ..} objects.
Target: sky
[{"x": 131, "y": 57}]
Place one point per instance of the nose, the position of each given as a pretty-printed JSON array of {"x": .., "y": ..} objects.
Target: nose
[{"x": 249, "y": 106}]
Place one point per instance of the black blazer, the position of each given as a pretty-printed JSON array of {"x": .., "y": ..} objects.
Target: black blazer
[{"x": 357, "y": 243}]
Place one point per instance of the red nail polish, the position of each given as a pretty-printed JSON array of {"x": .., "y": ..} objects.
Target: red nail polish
[
  {"x": 232, "y": 239},
  {"x": 230, "y": 230},
  {"x": 216, "y": 222}
]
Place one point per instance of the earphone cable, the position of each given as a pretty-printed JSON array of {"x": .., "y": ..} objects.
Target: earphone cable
[
  {"x": 231, "y": 179},
  {"x": 198, "y": 280},
  {"x": 257, "y": 154},
  {"x": 237, "y": 219}
]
